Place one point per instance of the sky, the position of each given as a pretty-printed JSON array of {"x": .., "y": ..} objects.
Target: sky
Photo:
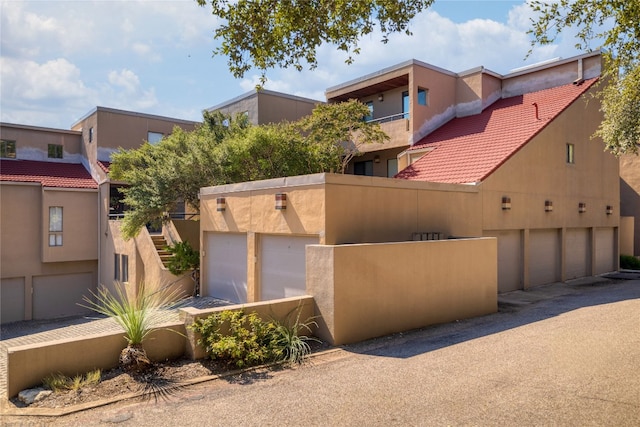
[{"x": 61, "y": 59}]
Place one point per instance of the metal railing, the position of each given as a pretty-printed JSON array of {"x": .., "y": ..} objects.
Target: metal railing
[
  {"x": 171, "y": 215},
  {"x": 391, "y": 118}
]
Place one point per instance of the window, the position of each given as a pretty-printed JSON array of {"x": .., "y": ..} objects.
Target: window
[
  {"x": 121, "y": 267},
  {"x": 363, "y": 168},
  {"x": 90, "y": 134},
  {"x": 570, "y": 153},
  {"x": 55, "y": 226},
  {"x": 154, "y": 137},
  {"x": 124, "y": 264},
  {"x": 423, "y": 96},
  {"x": 116, "y": 266},
  {"x": 405, "y": 105},
  {"x": 8, "y": 149},
  {"x": 54, "y": 151},
  {"x": 369, "y": 116},
  {"x": 392, "y": 168}
]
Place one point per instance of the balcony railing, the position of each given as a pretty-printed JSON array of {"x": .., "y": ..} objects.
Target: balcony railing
[
  {"x": 391, "y": 118},
  {"x": 172, "y": 215}
]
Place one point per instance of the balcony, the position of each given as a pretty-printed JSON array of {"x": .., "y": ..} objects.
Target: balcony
[{"x": 396, "y": 126}]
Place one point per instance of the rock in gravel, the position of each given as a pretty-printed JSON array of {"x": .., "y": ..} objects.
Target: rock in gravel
[{"x": 33, "y": 395}]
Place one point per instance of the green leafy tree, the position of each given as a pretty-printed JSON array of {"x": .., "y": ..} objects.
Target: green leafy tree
[
  {"x": 336, "y": 132},
  {"x": 263, "y": 34},
  {"x": 225, "y": 150},
  {"x": 174, "y": 169},
  {"x": 617, "y": 25}
]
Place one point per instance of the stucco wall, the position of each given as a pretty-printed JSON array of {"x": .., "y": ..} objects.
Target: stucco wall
[
  {"x": 23, "y": 229},
  {"x": 361, "y": 295},
  {"x": 627, "y": 233},
  {"x": 540, "y": 172},
  {"x": 32, "y": 142},
  {"x": 27, "y": 365},
  {"x": 79, "y": 225}
]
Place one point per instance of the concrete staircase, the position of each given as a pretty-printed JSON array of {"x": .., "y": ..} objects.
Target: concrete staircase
[{"x": 160, "y": 244}]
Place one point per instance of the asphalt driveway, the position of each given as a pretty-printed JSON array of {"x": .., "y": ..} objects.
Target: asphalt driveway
[{"x": 564, "y": 355}]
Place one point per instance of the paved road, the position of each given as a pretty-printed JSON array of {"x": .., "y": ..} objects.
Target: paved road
[{"x": 567, "y": 355}]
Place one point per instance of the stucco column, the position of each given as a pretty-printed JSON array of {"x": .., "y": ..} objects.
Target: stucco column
[
  {"x": 525, "y": 259},
  {"x": 253, "y": 267},
  {"x": 594, "y": 250},
  {"x": 563, "y": 254}
]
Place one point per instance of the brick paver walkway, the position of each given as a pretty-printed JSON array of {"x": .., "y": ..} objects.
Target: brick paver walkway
[{"x": 40, "y": 331}]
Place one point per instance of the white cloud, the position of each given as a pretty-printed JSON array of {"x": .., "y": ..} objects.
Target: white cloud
[
  {"x": 126, "y": 79},
  {"x": 29, "y": 80}
]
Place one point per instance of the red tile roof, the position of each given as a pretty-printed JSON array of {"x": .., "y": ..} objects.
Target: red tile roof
[
  {"x": 468, "y": 149},
  {"x": 104, "y": 165},
  {"x": 48, "y": 174}
]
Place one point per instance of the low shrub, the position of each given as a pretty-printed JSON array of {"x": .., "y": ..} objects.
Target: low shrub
[
  {"x": 629, "y": 262},
  {"x": 244, "y": 340},
  {"x": 237, "y": 338}
]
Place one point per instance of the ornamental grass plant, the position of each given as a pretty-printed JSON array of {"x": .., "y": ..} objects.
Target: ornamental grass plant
[{"x": 136, "y": 314}]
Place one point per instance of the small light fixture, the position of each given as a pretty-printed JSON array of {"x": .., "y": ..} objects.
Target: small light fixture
[
  {"x": 582, "y": 207},
  {"x": 376, "y": 159},
  {"x": 281, "y": 201},
  {"x": 381, "y": 97},
  {"x": 548, "y": 206},
  {"x": 506, "y": 203},
  {"x": 609, "y": 210},
  {"x": 221, "y": 204}
]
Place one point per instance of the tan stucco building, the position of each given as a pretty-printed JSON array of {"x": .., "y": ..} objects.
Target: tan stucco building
[
  {"x": 59, "y": 230},
  {"x": 504, "y": 161},
  {"x": 267, "y": 106}
]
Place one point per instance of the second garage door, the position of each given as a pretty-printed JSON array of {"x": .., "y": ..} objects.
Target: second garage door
[
  {"x": 578, "y": 253},
  {"x": 283, "y": 269},
  {"x": 544, "y": 257}
]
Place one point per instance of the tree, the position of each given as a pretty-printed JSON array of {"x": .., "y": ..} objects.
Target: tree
[
  {"x": 268, "y": 33},
  {"x": 226, "y": 150},
  {"x": 336, "y": 132},
  {"x": 617, "y": 23},
  {"x": 174, "y": 169}
]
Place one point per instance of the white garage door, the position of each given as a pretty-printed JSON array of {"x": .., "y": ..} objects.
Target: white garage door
[
  {"x": 283, "y": 271},
  {"x": 509, "y": 259},
  {"x": 605, "y": 251},
  {"x": 544, "y": 257},
  {"x": 226, "y": 260},
  {"x": 59, "y": 295},
  {"x": 578, "y": 253}
]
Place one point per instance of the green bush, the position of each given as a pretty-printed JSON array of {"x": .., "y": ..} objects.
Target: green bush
[
  {"x": 184, "y": 258},
  {"x": 245, "y": 340},
  {"x": 629, "y": 262},
  {"x": 248, "y": 341}
]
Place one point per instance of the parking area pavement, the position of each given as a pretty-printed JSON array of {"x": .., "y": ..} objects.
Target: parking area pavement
[
  {"x": 568, "y": 358},
  {"x": 560, "y": 355}
]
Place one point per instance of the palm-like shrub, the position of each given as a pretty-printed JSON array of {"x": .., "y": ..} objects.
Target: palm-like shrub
[{"x": 135, "y": 314}]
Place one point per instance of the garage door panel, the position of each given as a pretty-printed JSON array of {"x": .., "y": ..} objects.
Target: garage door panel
[
  {"x": 578, "y": 253},
  {"x": 509, "y": 259},
  {"x": 544, "y": 257},
  {"x": 226, "y": 259},
  {"x": 59, "y": 295},
  {"x": 605, "y": 251},
  {"x": 12, "y": 300},
  {"x": 283, "y": 268}
]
